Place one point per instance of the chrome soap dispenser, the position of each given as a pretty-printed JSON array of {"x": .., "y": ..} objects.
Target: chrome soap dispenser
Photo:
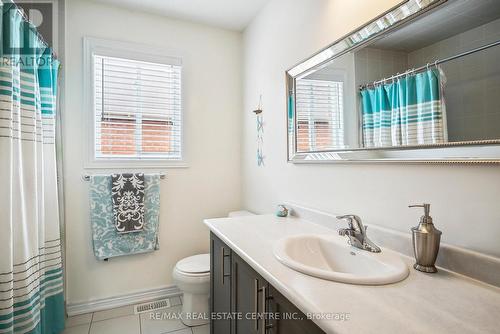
[{"x": 426, "y": 239}]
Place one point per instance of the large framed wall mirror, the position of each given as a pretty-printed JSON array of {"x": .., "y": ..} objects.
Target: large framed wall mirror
[{"x": 419, "y": 83}]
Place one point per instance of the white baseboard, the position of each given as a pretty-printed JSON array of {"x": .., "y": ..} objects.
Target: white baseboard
[{"x": 122, "y": 300}]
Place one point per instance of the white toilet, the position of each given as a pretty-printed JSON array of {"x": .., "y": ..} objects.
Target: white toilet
[{"x": 192, "y": 276}]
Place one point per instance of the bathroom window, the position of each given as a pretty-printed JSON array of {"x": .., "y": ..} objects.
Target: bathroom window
[
  {"x": 137, "y": 109},
  {"x": 320, "y": 120},
  {"x": 136, "y": 102}
]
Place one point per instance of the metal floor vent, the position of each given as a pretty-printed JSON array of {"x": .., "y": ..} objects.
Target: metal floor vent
[{"x": 152, "y": 306}]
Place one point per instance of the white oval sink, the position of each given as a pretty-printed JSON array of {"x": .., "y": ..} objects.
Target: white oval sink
[{"x": 333, "y": 259}]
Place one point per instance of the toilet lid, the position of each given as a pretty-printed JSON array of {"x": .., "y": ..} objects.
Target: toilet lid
[{"x": 195, "y": 264}]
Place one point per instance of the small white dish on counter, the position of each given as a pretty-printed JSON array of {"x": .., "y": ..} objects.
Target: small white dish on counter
[{"x": 330, "y": 258}]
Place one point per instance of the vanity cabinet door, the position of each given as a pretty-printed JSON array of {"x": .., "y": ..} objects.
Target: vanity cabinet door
[
  {"x": 220, "y": 286},
  {"x": 248, "y": 298},
  {"x": 286, "y": 318}
]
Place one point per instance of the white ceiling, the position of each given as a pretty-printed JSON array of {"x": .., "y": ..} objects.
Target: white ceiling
[{"x": 228, "y": 14}]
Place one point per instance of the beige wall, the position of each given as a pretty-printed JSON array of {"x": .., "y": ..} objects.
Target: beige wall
[
  {"x": 376, "y": 64},
  {"x": 210, "y": 187},
  {"x": 464, "y": 198}
]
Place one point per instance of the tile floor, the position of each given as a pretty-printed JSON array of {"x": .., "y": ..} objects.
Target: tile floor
[{"x": 122, "y": 320}]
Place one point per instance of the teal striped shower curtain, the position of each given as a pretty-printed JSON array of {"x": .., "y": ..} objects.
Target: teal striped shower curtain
[
  {"x": 407, "y": 112},
  {"x": 31, "y": 282}
]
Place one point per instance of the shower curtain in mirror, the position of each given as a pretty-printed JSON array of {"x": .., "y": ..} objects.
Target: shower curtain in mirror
[
  {"x": 31, "y": 282},
  {"x": 409, "y": 111}
]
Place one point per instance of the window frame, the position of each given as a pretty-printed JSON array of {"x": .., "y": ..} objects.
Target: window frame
[{"x": 95, "y": 46}]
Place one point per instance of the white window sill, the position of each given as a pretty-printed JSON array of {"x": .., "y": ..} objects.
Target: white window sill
[{"x": 134, "y": 165}]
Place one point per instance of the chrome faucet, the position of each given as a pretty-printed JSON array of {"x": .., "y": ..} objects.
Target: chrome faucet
[{"x": 357, "y": 234}]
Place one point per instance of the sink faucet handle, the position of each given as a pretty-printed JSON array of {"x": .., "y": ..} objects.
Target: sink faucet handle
[
  {"x": 353, "y": 221},
  {"x": 348, "y": 217},
  {"x": 357, "y": 233}
]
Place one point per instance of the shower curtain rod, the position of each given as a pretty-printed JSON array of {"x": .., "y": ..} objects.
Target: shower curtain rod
[
  {"x": 86, "y": 177},
  {"x": 437, "y": 62}
]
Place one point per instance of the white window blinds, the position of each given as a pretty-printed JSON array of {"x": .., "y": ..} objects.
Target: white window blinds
[
  {"x": 320, "y": 113},
  {"x": 138, "y": 110}
]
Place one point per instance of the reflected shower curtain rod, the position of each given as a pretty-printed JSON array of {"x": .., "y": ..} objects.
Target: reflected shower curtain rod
[
  {"x": 435, "y": 63},
  {"x": 86, "y": 177}
]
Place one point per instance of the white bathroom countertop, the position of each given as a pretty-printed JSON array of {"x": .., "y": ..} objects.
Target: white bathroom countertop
[{"x": 444, "y": 302}]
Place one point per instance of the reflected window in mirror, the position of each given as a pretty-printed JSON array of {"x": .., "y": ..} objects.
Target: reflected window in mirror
[{"x": 320, "y": 112}]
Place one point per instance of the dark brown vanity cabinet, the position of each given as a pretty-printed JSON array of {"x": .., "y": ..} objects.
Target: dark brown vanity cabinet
[
  {"x": 220, "y": 286},
  {"x": 287, "y": 319},
  {"x": 249, "y": 295},
  {"x": 242, "y": 302}
]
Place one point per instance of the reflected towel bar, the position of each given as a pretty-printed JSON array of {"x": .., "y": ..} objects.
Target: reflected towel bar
[{"x": 86, "y": 177}]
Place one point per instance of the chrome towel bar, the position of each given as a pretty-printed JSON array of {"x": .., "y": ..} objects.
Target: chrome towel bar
[{"x": 86, "y": 177}]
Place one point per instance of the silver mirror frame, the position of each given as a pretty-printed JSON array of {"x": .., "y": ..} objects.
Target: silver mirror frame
[{"x": 486, "y": 151}]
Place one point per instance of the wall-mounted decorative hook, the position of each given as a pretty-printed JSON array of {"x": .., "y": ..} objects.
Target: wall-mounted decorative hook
[
  {"x": 259, "y": 108},
  {"x": 260, "y": 133}
]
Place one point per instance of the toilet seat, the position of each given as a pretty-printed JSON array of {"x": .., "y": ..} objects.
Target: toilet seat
[
  {"x": 194, "y": 266},
  {"x": 192, "y": 277},
  {"x": 182, "y": 273}
]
